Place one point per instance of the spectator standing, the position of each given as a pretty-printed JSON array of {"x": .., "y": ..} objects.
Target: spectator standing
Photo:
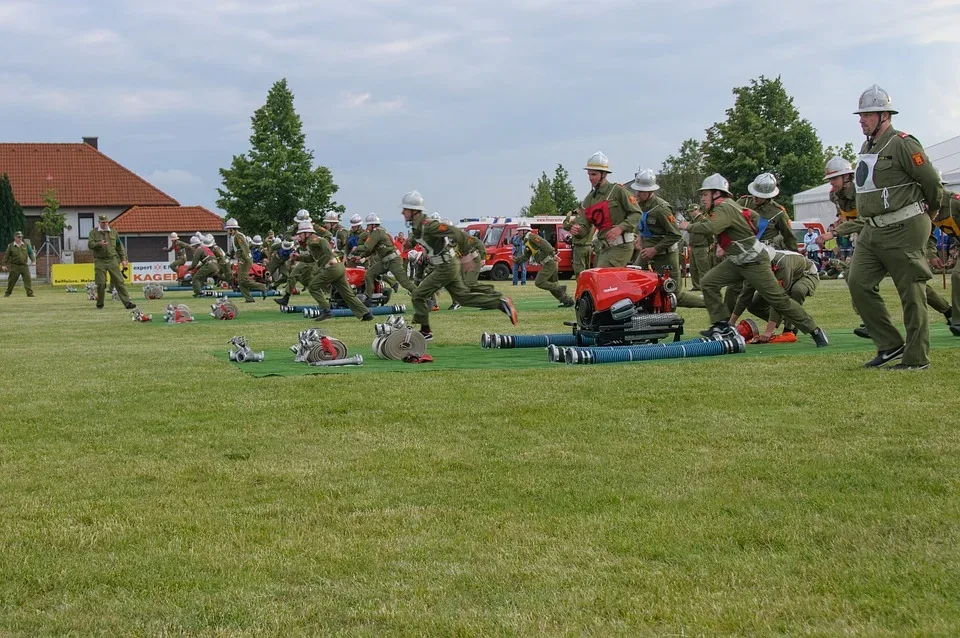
[
  {"x": 519, "y": 269},
  {"x": 811, "y": 247}
]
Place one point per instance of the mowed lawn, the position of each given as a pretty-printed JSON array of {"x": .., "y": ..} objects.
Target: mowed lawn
[{"x": 147, "y": 488}]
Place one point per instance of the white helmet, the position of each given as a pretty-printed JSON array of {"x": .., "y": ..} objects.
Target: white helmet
[
  {"x": 305, "y": 227},
  {"x": 764, "y": 186},
  {"x": 356, "y": 220},
  {"x": 447, "y": 221},
  {"x": 524, "y": 226},
  {"x": 195, "y": 241},
  {"x": 716, "y": 182},
  {"x": 209, "y": 241},
  {"x": 837, "y": 166},
  {"x": 174, "y": 236},
  {"x": 302, "y": 215},
  {"x": 412, "y": 200},
  {"x": 645, "y": 181},
  {"x": 286, "y": 244},
  {"x": 875, "y": 100},
  {"x": 598, "y": 162},
  {"x": 231, "y": 223},
  {"x": 373, "y": 218},
  {"x": 771, "y": 251},
  {"x": 435, "y": 215},
  {"x": 257, "y": 240},
  {"x": 331, "y": 217},
  {"x": 198, "y": 235}
]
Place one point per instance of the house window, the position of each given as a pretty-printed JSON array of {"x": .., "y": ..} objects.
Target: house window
[{"x": 84, "y": 225}]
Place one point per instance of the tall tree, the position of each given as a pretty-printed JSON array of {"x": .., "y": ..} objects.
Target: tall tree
[
  {"x": 541, "y": 202},
  {"x": 11, "y": 214},
  {"x": 763, "y": 132},
  {"x": 682, "y": 174},
  {"x": 846, "y": 152},
  {"x": 264, "y": 188},
  {"x": 562, "y": 192},
  {"x": 52, "y": 222}
]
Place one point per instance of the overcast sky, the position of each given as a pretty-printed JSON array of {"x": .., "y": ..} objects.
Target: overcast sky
[{"x": 465, "y": 101}]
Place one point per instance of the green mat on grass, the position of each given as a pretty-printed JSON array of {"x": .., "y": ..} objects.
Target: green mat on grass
[{"x": 472, "y": 357}]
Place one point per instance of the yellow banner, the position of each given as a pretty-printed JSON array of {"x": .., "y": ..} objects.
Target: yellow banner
[{"x": 72, "y": 274}]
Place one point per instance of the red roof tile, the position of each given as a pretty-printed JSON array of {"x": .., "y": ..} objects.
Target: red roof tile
[
  {"x": 165, "y": 219},
  {"x": 80, "y": 174}
]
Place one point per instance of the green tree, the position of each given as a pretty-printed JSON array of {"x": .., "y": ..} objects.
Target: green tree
[
  {"x": 763, "y": 132},
  {"x": 682, "y": 174},
  {"x": 264, "y": 188},
  {"x": 846, "y": 151},
  {"x": 52, "y": 222},
  {"x": 562, "y": 193},
  {"x": 11, "y": 214},
  {"x": 541, "y": 202}
]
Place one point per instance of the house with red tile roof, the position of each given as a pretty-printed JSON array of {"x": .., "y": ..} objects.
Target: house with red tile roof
[{"x": 87, "y": 184}]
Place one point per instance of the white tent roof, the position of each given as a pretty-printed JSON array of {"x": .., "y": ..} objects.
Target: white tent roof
[{"x": 814, "y": 203}]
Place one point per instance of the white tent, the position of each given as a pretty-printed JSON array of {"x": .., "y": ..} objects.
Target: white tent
[{"x": 815, "y": 204}]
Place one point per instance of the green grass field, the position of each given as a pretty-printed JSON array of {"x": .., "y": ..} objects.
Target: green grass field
[{"x": 148, "y": 488}]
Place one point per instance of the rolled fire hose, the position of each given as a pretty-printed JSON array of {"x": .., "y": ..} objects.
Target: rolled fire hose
[
  {"x": 355, "y": 360},
  {"x": 319, "y": 353},
  {"x": 399, "y": 344},
  {"x": 647, "y": 353},
  {"x": 153, "y": 291}
]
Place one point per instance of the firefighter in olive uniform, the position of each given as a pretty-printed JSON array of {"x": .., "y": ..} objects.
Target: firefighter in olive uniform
[
  {"x": 244, "y": 262},
  {"x": 109, "y": 257},
  {"x": 301, "y": 262},
  {"x": 746, "y": 260},
  {"x": 179, "y": 249},
  {"x": 896, "y": 186},
  {"x": 699, "y": 249},
  {"x": 612, "y": 211},
  {"x": 434, "y": 238},
  {"x": 658, "y": 244},
  {"x": 204, "y": 264},
  {"x": 797, "y": 276},
  {"x": 539, "y": 249},
  {"x": 773, "y": 226},
  {"x": 382, "y": 256},
  {"x": 582, "y": 243},
  {"x": 16, "y": 260},
  {"x": 328, "y": 273}
]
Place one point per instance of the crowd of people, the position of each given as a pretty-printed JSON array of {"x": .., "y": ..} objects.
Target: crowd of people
[{"x": 893, "y": 218}]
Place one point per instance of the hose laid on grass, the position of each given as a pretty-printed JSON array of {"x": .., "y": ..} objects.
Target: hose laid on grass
[{"x": 678, "y": 350}]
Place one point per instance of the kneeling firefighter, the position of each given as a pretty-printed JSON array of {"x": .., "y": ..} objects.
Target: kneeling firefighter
[{"x": 746, "y": 260}]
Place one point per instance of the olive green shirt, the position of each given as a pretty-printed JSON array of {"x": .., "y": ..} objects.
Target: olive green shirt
[
  {"x": 698, "y": 240},
  {"x": 584, "y": 237},
  {"x": 378, "y": 243},
  {"x": 624, "y": 210},
  {"x": 18, "y": 255},
  {"x": 778, "y": 225},
  {"x": 660, "y": 222},
  {"x": 903, "y": 172},
  {"x": 536, "y": 247},
  {"x": 320, "y": 250},
  {"x": 726, "y": 216},
  {"x": 242, "y": 249},
  {"x": 113, "y": 248},
  {"x": 788, "y": 268}
]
